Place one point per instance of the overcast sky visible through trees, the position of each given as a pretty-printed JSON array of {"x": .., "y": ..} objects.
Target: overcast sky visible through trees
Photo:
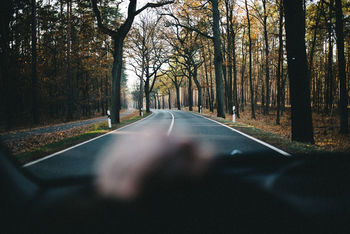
[{"x": 132, "y": 78}]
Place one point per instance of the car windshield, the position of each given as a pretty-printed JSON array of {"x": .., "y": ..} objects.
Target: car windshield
[{"x": 79, "y": 78}]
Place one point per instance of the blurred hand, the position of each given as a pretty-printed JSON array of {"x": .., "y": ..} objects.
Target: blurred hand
[{"x": 130, "y": 164}]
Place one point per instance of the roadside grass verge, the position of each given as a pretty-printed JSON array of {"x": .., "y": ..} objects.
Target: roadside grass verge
[
  {"x": 46, "y": 122},
  {"x": 282, "y": 142},
  {"x": 70, "y": 138}
]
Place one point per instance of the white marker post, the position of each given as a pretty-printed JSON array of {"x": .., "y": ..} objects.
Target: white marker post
[
  {"x": 200, "y": 109},
  {"x": 233, "y": 114},
  {"x": 109, "y": 119},
  {"x": 141, "y": 112}
]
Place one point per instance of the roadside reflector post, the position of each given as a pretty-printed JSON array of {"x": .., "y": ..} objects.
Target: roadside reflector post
[
  {"x": 200, "y": 109},
  {"x": 233, "y": 114},
  {"x": 109, "y": 119},
  {"x": 141, "y": 112}
]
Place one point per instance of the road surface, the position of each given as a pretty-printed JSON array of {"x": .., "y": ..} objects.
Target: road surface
[{"x": 80, "y": 160}]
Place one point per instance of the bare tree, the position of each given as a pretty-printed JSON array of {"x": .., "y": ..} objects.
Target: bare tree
[
  {"x": 218, "y": 58},
  {"x": 147, "y": 51},
  {"x": 177, "y": 80},
  {"x": 118, "y": 35}
]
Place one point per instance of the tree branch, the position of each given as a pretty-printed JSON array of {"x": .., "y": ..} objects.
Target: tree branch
[
  {"x": 153, "y": 5},
  {"x": 187, "y": 27},
  {"x": 97, "y": 13}
]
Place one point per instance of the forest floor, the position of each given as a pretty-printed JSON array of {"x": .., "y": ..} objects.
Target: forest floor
[
  {"x": 26, "y": 125},
  {"x": 39, "y": 145},
  {"x": 264, "y": 127}
]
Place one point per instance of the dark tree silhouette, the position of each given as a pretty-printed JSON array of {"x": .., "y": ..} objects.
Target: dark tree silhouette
[
  {"x": 250, "y": 64},
  {"x": 6, "y": 62},
  {"x": 341, "y": 67},
  {"x": 220, "y": 100},
  {"x": 35, "y": 111},
  {"x": 299, "y": 80}
]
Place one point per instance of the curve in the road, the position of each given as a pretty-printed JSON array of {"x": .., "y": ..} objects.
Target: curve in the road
[{"x": 172, "y": 123}]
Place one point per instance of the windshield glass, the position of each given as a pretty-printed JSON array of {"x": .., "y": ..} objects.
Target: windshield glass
[{"x": 226, "y": 77}]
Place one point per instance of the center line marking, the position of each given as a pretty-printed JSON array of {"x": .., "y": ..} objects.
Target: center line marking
[{"x": 172, "y": 124}]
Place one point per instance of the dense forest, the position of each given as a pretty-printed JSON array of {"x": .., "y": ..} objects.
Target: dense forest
[
  {"x": 66, "y": 58},
  {"x": 55, "y": 65},
  {"x": 273, "y": 56}
]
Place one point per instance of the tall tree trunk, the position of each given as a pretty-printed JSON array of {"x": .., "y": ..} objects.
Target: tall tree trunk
[
  {"x": 242, "y": 73},
  {"x": 218, "y": 60},
  {"x": 106, "y": 92},
  {"x": 141, "y": 79},
  {"x": 329, "y": 76},
  {"x": 224, "y": 74},
  {"x": 314, "y": 37},
  {"x": 190, "y": 95},
  {"x": 267, "y": 67},
  {"x": 155, "y": 100},
  {"x": 283, "y": 88},
  {"x": 250, "y": 65},
  {"x": 147, "y": 93},
  {"x": 116, "y": 79},
  {"x": 103, "y": 111},
  {"x": 299, "y": 80},
  {"x": 35, "y": 108},
  {"x": 206, "y": 79},
  {"x": 339, "y": 27},
  {"x": 6, "y": 62},
  {"x": 178, "y": 97},
  {"x": 69, "y": 48},
  {"x": 235, "y": 91},
  {"x": 169, "y": 99},
  {"x": 158, "y": 101},
  {"x": 199, "y": 88},
  {"x": 141, "y": 96},
  {"x": 229, "y": 54},
  {"x": 312, "y": 52},
  {"x": 280, "y": 62},
  {"x": 211, "y": 81}
]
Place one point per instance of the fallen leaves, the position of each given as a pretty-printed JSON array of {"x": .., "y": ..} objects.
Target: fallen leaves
[
  {"x": 27, "y": 144},
  {"x": 31, "y": 143},
  {"x": 326, "y": 128}
]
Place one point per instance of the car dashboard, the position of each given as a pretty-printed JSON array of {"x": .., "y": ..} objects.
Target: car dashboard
[{"x": 239, "y": 194}]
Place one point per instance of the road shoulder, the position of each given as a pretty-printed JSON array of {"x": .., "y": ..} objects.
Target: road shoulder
[
  {"x": 43, "y": 148},
  {"x": 273, "y": 139}
]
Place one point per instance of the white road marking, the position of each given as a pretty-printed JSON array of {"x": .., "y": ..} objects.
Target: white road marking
[
  {"x": 172, "y": 124},
  {"x": 250, "y": 137},
  {"x": 74, "y": 146}
]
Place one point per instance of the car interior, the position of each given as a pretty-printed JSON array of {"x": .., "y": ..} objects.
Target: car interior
[{"x": 239, "y": 194}]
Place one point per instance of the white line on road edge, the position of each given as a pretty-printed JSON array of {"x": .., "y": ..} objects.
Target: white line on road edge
[
  {"x": 172, "y": 124},
  {"x": 74, "y": 146},
  {"x": 250, "y": 137}
]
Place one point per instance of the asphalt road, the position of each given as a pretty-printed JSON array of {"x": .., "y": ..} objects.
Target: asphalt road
[{"x": 80, "y": 160}]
